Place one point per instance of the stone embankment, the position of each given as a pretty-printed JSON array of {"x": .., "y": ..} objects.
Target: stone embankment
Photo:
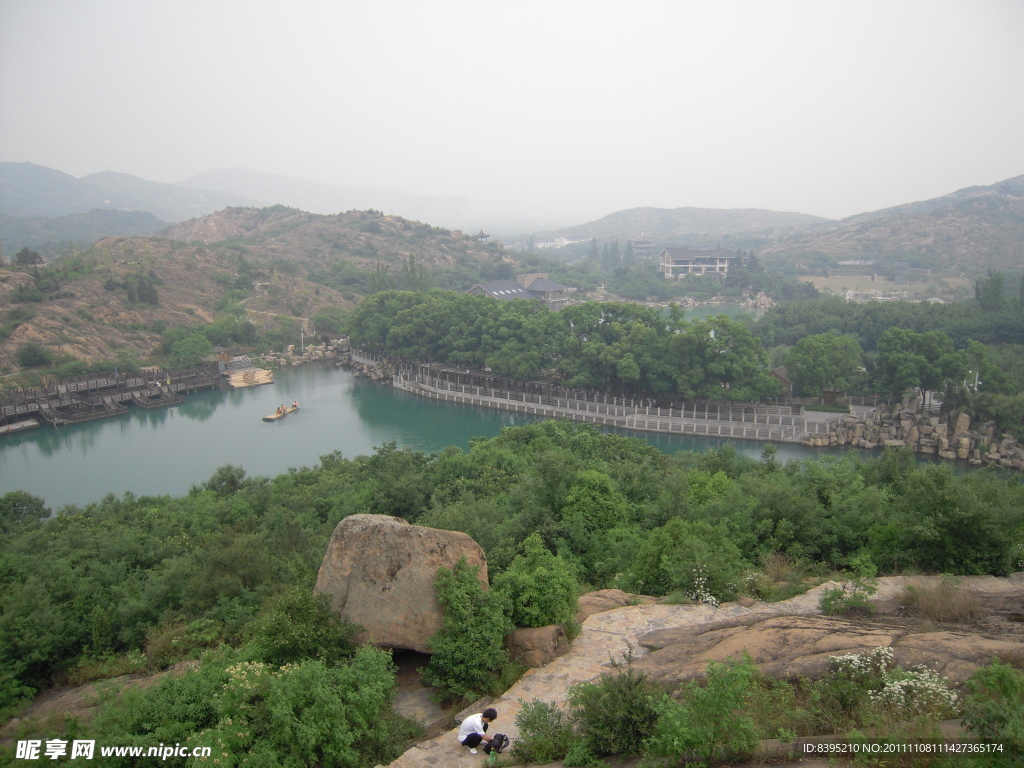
[
  {"x": 336, "y": 351},
  {"x": 905, "y": 425}
]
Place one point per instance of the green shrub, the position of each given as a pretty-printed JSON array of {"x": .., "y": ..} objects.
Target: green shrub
[
  {"x": 32, "y": 354},
  {"x": 994, "y": 709},
  {"x": 300, "y": 714},
  {"x": 695, "y": 557},
  {"x": 468, "y": 651},
  {"x": 298, "y": 625},
  {"x": 710, "y": 720},
  {"x": 616, "y": 714},
  {"x": 545, "y": 733},
  {"x": 842, "y": 700},
  {"x": 540, "y": 587},
  {"x": 851, "y": 595}
]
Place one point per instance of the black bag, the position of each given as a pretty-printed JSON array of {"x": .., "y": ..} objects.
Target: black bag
[{"x": 498, "y": 742}]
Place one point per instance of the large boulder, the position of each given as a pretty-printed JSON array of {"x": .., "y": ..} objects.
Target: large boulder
[
  {"x": 380, "y": 573},
  {"x": 536, "y": 646},
  {"x": 600, "y": 601}
]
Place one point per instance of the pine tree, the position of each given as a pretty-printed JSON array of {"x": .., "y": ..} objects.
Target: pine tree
[{"x": 629, "y": 260}]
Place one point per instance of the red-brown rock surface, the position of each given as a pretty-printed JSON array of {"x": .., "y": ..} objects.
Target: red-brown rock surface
[{"x": 380, "y": 573}]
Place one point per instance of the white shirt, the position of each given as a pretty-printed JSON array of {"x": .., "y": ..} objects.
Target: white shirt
[{"x": 472, "y": 724}]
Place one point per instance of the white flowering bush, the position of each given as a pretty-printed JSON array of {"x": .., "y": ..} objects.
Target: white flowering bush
[
  {"x": 698, "y": 587},
  {"x": 873, "y": 665},
  {"x": 915, "y": 692},
  {"x": 903, "y": 693}
]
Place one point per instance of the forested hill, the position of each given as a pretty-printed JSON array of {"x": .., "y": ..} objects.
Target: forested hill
[
  {"x": 966, "y": 232},
  {"x": 739, "y": 227}
]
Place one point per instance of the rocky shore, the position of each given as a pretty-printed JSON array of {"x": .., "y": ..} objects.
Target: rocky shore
[
  {"x": 335, "y": 351},
  {"x": 906, "y": 425}
]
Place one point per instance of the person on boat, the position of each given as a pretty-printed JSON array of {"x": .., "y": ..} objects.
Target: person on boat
[
  {"x": 280, "y": 408},
  {"x": 295, "y": 405}
]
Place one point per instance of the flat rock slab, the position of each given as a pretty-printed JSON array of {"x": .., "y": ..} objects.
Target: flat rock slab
[
  {"x": 792, "y": 646},
  {"x": 607, "y": 636}
]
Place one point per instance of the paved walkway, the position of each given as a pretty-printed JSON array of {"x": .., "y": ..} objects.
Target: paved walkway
[{"x": 608, "y": 636}]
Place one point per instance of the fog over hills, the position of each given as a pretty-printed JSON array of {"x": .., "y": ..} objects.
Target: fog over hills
[
  {"x": 313, "y": 197},
  {"x": 27, "y": 189},
  {"x": 694, "y": 226}
]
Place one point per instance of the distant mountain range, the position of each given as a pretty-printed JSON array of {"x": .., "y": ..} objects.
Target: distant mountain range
[
  {"x": 32, "y": 190},
  {"x": 966, "y": 232},
  {"x": 697, "y": 227}
]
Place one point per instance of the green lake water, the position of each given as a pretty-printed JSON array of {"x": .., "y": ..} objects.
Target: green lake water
[{"x": 166, "y": 451}]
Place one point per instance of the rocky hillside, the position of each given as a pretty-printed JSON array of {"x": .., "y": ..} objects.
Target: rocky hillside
[
  {"x": 315, "y": 241},
  {"x": 81, "y": 307},
  {"x": 966, "y": 233},
  {"x": 90, "y": 316},
  {"x": 689, "y": 226}
]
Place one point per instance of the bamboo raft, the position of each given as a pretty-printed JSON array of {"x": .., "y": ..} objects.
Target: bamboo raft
[
  {"x": 275, "y": 416},
  {"x": 250, "y": 377}
]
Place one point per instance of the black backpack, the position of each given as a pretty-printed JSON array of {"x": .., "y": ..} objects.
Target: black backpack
[{"x": 498, "y": 742}]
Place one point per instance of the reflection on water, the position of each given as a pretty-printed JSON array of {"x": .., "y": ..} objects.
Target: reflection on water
[{"x": 201, "y": 409}]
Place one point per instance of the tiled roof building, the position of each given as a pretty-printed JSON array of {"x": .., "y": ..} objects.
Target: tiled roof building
[{"x": 535, "y": 287}]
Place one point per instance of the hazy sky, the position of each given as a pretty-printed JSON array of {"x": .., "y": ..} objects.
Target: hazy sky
[{"x": 568, "y": 110}]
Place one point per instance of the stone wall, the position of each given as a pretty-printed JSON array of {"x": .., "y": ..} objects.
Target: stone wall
[
  {"x": 375, "y": 371},
  {"x": 312, "y": 353},
  {"x": 905, "y": 425}
]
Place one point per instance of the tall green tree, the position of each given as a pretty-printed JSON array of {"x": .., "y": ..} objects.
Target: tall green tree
[
  {"x": 989, "y": 292},
  {"x": 416, "y": 277},
  {"x": 823, "y": 360},
  {"x": 719, "y": 359},
  {"x": 27, "y": 257},
  {"x": 927, "y": 360}
]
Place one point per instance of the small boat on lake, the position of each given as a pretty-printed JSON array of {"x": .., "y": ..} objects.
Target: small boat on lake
[{"x": 281, "y": 414}]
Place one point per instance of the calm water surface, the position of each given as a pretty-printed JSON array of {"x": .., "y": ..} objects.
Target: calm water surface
[{"x": 167, "y": 450}]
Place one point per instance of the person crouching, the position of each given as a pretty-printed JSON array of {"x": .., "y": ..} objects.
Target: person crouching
[{"x": 473, "y": 730}]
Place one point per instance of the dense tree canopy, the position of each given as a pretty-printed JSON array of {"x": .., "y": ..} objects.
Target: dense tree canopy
[
  {"x": 823, "y": 360},
  {"x": 624, "y": 347}
]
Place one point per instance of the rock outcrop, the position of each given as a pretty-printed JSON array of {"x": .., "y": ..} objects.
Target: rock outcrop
[
  {"x": 536, "y": 646},
  {"x": 380, "y": 573},
  {"x": 905, "y": 425},
  {"x": 789, "y": 646},
  {"x": 600, "y": 601}
]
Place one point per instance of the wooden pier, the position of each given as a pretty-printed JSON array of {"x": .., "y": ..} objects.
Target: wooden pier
[{"x": 86, "y": 398}]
